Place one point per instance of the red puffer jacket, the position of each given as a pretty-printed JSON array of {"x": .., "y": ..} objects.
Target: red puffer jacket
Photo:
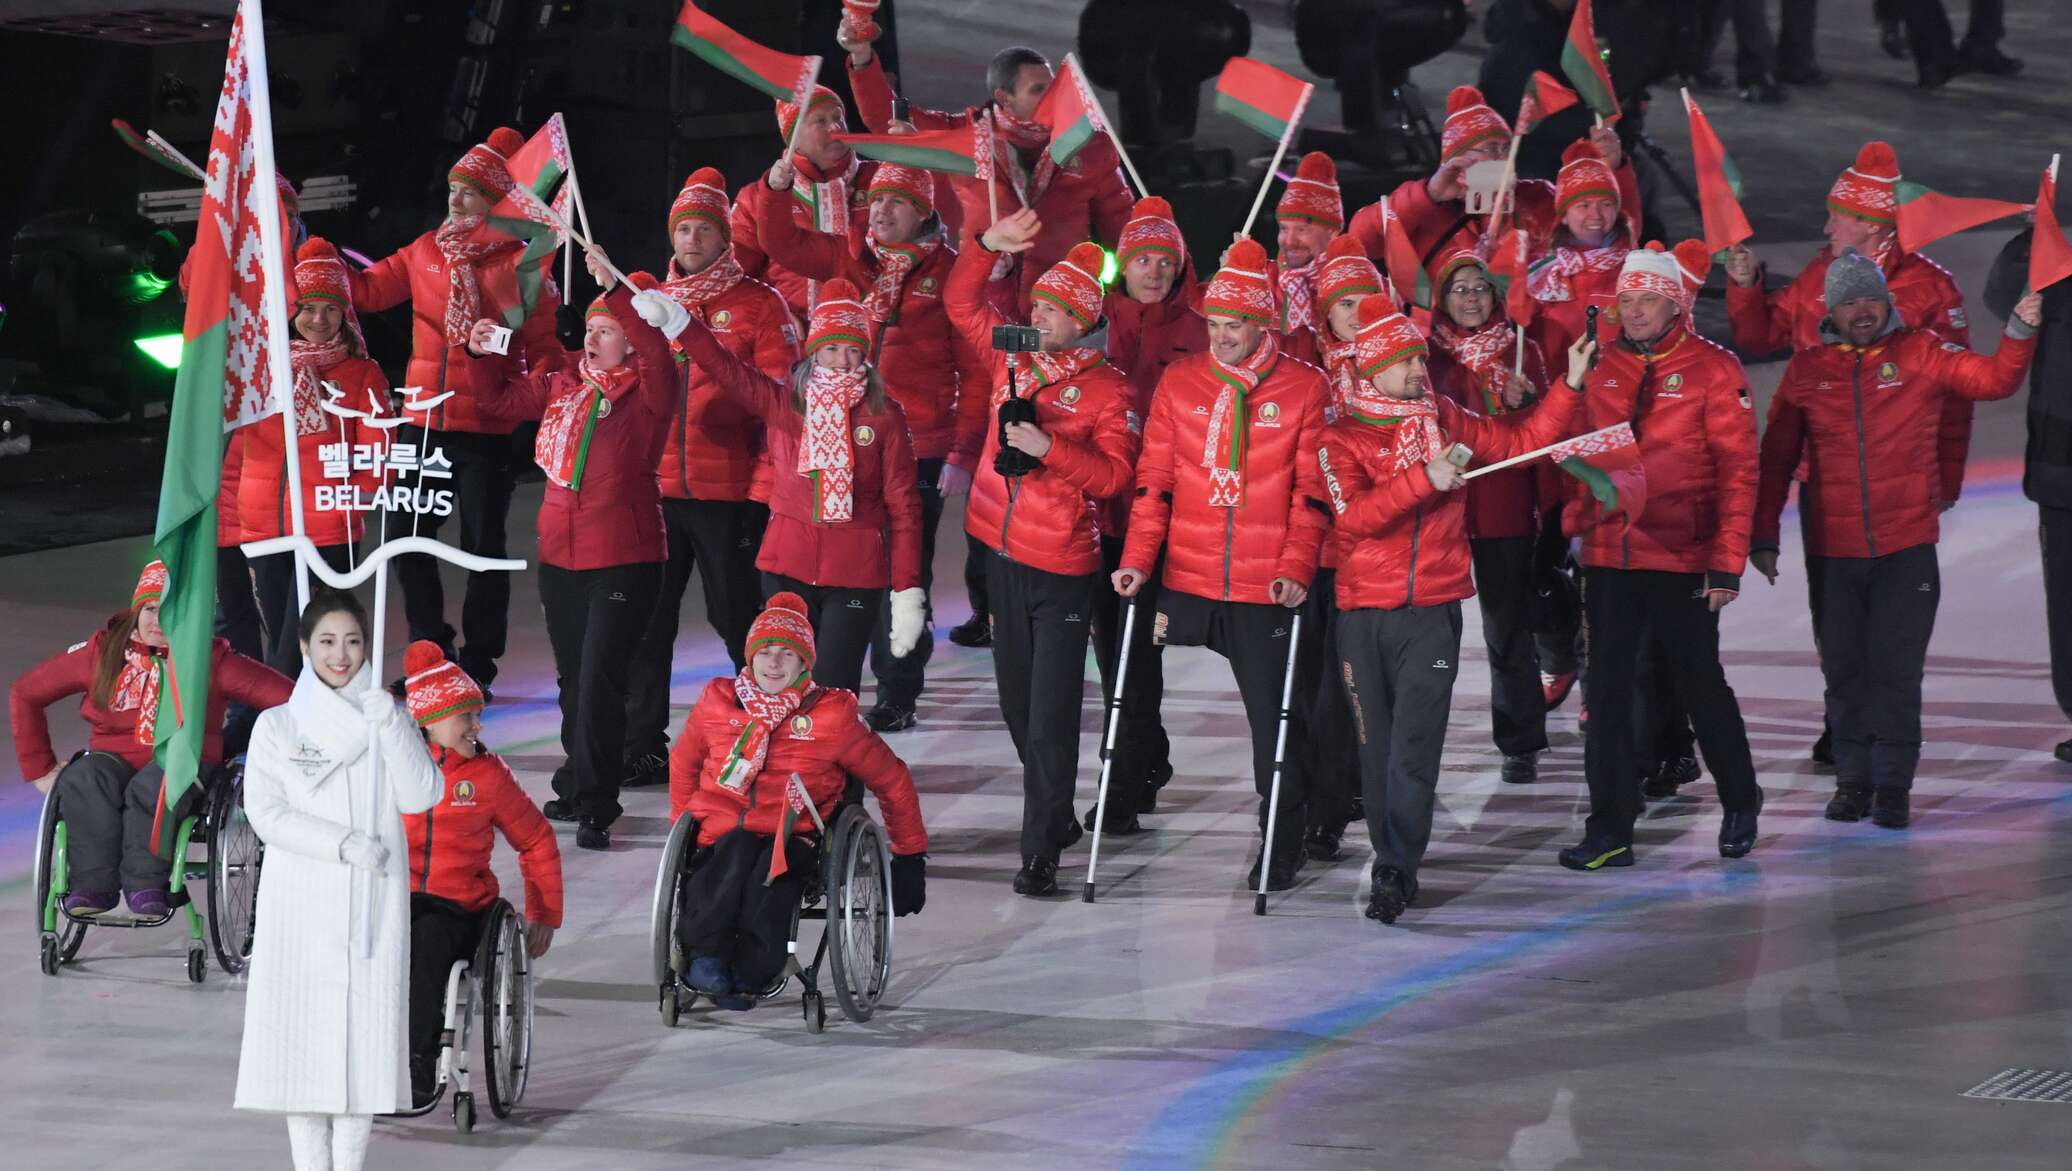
[
  {"x": 1865, "y": 421},
  {"x": 1402, "y": 542},
  {"x": 919, "y": 354},
  {"x": 229, "y": 532},
  {"x": 1505, "y": 503},
  {"x": 746, "y": 224},
  {"x": 1143, "y": 342},
  {"x": 1557, "y": 324},
  {"x": 1232, "y": 554},
  {"x": 450, "y": 843},
  {"x": 1926, "y": 297},
  {"x": 1045, "y": 520},
  {"x": 714, "y": 445},
  {"x": 881, "y": 545},
  {"x": 1696, "y": 428},
  {"x": 262, "y": 491},
  {"x": 1085, "y": 200},
  {"x": 826, "y": 742},
  {"x": 417, "y": 272},
  {"x": 616, "y": 517},
  {"x": 1434, "y": 227},
  {"x": 231, "y": 677}
]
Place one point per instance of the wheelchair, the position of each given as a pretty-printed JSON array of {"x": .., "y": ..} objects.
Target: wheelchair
[
  {"x": 228, "y": 867},
  {"x": 499, "y": 981},
  {"x": 849, "y": 891}
]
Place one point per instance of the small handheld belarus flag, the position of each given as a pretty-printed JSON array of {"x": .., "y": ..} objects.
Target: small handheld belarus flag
[
  {"x": 1583, "y": 65},
  {"x": 1069, "y": 110},
  {"x": 2050, "y": 256},
  {"x": 1544, "y": 98},
  {"x": 1262, "y": 97},
  {"x": 955, "y": 151},
  {"x": 783, "y": 76},
  {"x": 1607, "y": 461},
  {"x": 1719, "y": 183}
]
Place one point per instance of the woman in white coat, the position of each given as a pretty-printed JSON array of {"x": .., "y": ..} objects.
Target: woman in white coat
[{"x": 327, "y": 779}]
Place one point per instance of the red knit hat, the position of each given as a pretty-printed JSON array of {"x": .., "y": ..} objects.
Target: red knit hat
[
  {"x": 838, "y": 319},
  {"x": 320, "y": 274},
  {"x": 1346, "y": 270},
  {"x": 1451, "y": 261},
  {"x": 291, "y": 199},
  {"x": 782, "y": 623},
  {"x": 483, "y": 166},
  {"x": 788, "y": 112},
  {"x": 601, "y": 307},
  {"x": 704, "y": 195},
  {"x": 1386, "y": 337},
  {"x": 1151, "y": 229},
  {"x": 1469, "y": 123},
  {"x": 150, "y": 585},
  {"x": 1676, "y": 274},
  {"x": 1244, "y": 287},
  {"x": 1312, "y": 195},
  {"x": 1694, "y": 264},
  {"x": 1074, "y": 283},
  {"x": 912, "y": 184},
  {"x": 1865, "y": 190},
  {"x": 1584, "y": 175},
  {"x": 435, "y": 688}
]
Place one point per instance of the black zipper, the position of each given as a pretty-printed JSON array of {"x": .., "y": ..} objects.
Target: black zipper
[
  {"x": 1863, "y": 471},
  {"x": 1229, "y": 537}
]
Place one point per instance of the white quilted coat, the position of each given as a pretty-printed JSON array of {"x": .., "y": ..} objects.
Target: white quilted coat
[{"x": 327, "y": 1009}]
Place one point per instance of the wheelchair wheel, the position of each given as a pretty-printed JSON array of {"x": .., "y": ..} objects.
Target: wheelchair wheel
[
  {"x": 859, "y": 913},
  {"x": 669, "y": 876},
  {"x": 59, "y": 937},
  {"x": 235, "y": 855},
  {"x": 506, "y": 972}
]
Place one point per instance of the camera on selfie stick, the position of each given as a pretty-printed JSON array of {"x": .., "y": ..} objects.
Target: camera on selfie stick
[{"x": 1015, "y": 339}]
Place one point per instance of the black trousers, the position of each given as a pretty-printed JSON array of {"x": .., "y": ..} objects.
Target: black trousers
[
  {"x": 442, "y": 933},
  {"x": 108, "y": 808},
  {"x": 1880, "y": 612},
  {"x": 1254, "y": 639},
  {"x": 1557, "y": 602},
  {"x": 1504, "y": 588},
  {"x": 975, "y": 556},
  {"x": 843, "y": 621},
  {"x": 2054, "y": 532},
  {"x": 1795, "y": 48},
  {"x": 485, "y": 470},
  {"x": 1141, "y": 745},
  {"x": 1661, "y": 726},
  {"x": 734, "y": 910},
  {"x": 273, "y": 580},
  {"x": 1929, "y": 33},
  {"x": 1040, "y": 630},
  {"x": 1399, "y": 668},
  {"x": 594, "y": 616},
  {"x": 1330, "y": 759},
  {"x": 1816, "y": 601},
  {"x": 900, "y": 679},
  {"x": 719, "y": 539},
  {"x": 237, "y": 607},
  {"x": 1627, "y": 607},
  {"x": 1755, "y": 50}
]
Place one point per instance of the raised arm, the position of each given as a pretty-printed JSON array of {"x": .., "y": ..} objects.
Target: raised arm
[
  {"x": 964, "y": 295},
  {"x": 874, "y": 101},
  {"x": 384, "y": 285},
  {"x": 813, "y": 254},
  {"x": 406, "y": 765}
]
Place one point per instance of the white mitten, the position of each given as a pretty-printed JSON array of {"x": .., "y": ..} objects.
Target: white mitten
[
  {"x": 363, "y": 852},
  {"x": 909, "y": 615},
  {"x": 661, "y": 311}
]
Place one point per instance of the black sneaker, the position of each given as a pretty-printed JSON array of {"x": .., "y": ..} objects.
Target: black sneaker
[
  {"x": 974, "y": 631},
  {"x": 2063, "y": 751},
  {"x": 887, "y": 717},
  {"x": 1597, "y": 854},
  {"x": 424, "y": 1082},
  {"x": 1037, "y": 878},
  {"x": 1823, "y": 753},
  {"x": 1324, "y": 844},
  {"x": 1282, "y": 874},
  {"x": 1737, "y": 833},
  {"x": 649, "y": 768},
  {"x": 1162, "y": 772},
  {"x": 1890, "y": 807},
  {"x": 1850, "y": 803},
  {"x": 1987, "y": 59},
  {"x": 592, "y": 836},
  {"x": 1669, "y": 776},
  {"x": 1764, "y": 92},
  {"x": 557, "y": 809},
  {"x": 1118, "y": 822},
  {"x": 1386, "y": 896},
  {"x": 1521, "y": 769}
]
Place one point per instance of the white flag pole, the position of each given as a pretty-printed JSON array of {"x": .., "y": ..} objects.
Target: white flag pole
[
  {"x": 265, "y": 200},
  {"x": 1086, "y": 87},
  {"x": 1536, "y": 453},
  {"x": 1280, "y": 151}
]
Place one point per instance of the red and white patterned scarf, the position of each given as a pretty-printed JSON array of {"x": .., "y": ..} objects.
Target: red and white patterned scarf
[
  {"x": 895, "y": 263},
  {"x": 1341, "y": 363},
  {"x": 766, "y": 714},
  {"x": 1416, "y": 421},
  {"x": 1042, "y": 368},
  {"x": 465, "y": 243},
  {"x": 827, "y": 454},
  {"x": 562, "y": 449},
  {"x": 1485, "y": 352},
  {"x": 136, "y": 689},
  {"x": 705, "y": 284},
  {"x": 1553, "y": 278},
  {"x": 1223, "y": 453},
  {"x": 309, "y": 360},
  {"x": 1025, "y": 136},
  {"x": 1299, "y": 297},
  {"x": 825, "y": 197}
]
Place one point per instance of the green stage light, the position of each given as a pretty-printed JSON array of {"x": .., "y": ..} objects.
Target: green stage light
[
  {"x": 1109, "y": 269},
  {"x": 162, "y": 348}
]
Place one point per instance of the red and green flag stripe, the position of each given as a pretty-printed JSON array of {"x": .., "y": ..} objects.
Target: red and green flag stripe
[
  {"x": 1069, "y": 110},
  {"x": 1583, "y": 64},
  {"x": 954, "y": 151},
  {"x": 1267, "y": 99},
  {"x": 1926, "y": 216},
  {"x": 1719, "y": 183},
  {"x": 776, "y": 74}
]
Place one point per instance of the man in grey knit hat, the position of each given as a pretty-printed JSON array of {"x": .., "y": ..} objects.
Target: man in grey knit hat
[{"x": 1864, "y": 406}]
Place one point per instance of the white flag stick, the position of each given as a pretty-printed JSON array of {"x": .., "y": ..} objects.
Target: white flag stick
[
  {"x": 1535, "y": 453},
  {"x": 174, "y": 154},
  {"x": 273, "y": 262},
  {"x": 1280, "y": 151},
  {"x": 1120, "y": 150}
]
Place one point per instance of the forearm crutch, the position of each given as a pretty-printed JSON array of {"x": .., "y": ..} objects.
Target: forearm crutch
[
  {"x": 1280, "y": 748},
  {"x": 1122, "y": 671}
]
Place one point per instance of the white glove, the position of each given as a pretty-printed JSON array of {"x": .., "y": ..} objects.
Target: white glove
[
  {"x": 376, "y": 704},
  {"x": 363, "y": 852},
  {"x": 909, "y": 615},
  {"x": 661, "y": 311}
]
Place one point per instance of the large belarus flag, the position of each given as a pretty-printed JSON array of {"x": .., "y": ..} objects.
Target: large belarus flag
[
  {"x": 1069, "y": 110},
  {"x": 783, "y": 76},
  {"x": 959, "y": 150},
  {"x": 1719, "y": 183},
  {"x": 1584, "y": 65},
  {"x": 1262, "y": 97},
  {"x": 234, "y": 345}
]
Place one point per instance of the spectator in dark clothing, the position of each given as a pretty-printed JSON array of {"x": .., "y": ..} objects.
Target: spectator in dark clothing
[
  {"x": 2047, "y": 465},
  {"x": 1937, "y": 57},
  {"x": 1526, "y": 35}
]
